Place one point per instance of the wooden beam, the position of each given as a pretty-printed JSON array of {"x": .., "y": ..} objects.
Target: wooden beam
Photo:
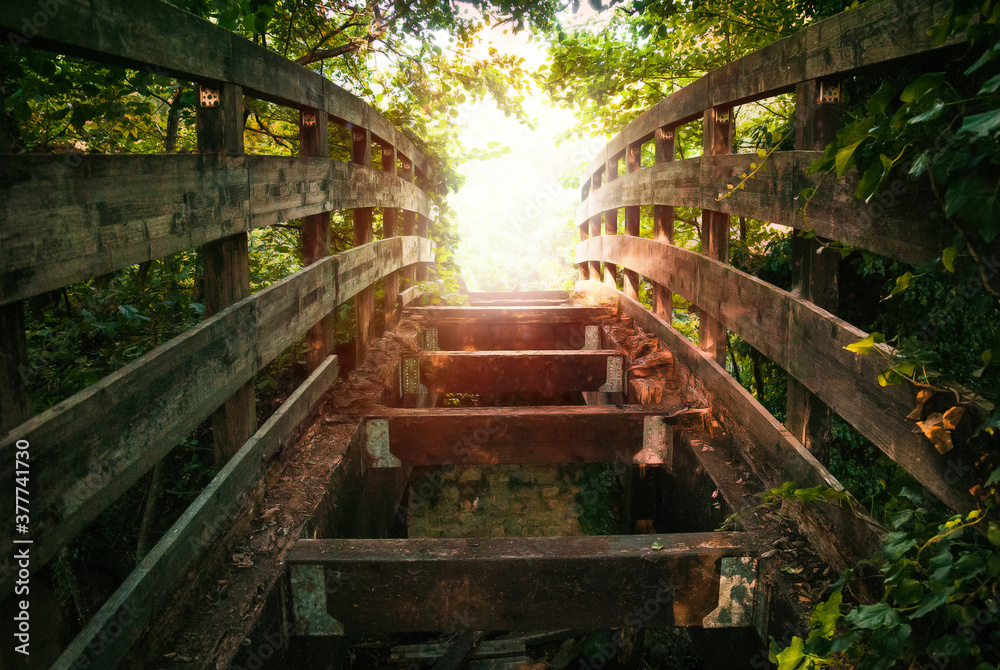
[
  {"x": 476, "y": 297},
  {"x": 15, "y": 400},
  {"x": 531, "y": 583},
  {"x": 523, "y": 435},
  {"x": 452, "y": 316},
  {"x": 595, "y": 224},
  {"x": 492, "y": 336},
  {"x": 148, "y": 590},
  {"x": 841, "y": 535},
  {"x": 630, "y": 278},
  {"x": 663, "y": 221},
  {"x": 138, "y": 208},
  {"x": 611, "y": 222},
  {"x": 159, "y": 38},
  {"x": 809, "y": 343},
  {"x": 85, "y": 456},
  {"x": 718, "y": 131},
  {"x": 409, "y": 275},
  {"x": 845, "y": 43},
  {"x": 519, "y": 371},
  {"x": 390, "y": 229},
  {"x": 364, "y": 304},
  {"x": 226, "y": 262}
]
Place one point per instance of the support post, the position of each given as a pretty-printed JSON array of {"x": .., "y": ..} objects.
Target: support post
[
  {"x": 423, "y": 230},
  {"x": 663, "y": 223},
  {"x": 815, "y": 269},
  {"x": 718, "y": 138},
  {"x": 595, "y": 226},
  {"x": 409, "y": 222},
  {"x": 389, "y": 229},
  {"x": 611, "y": 225},
  {"x": 314, "y": 141},
  {"x": 226, "y": 262},
  {"x": 633, "y": 161},
  {"x": 364, "y": 302}
]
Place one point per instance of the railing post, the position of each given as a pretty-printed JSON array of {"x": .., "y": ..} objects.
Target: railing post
[
  {"x": 409, "y": 221},
  {"x": 226, "y": 262},
  {"x": 595, "y": 225},
  {"x": 423, "y": 227},
  {"x": 364, "y": 302},
  {"x": 815, "y": 268},
  {"x": 15, "y": 401},
  {"x": 314, "y": 141},
  {"x": 389, "y": 229},
  {"x": 611, "y": 225},
  {"x": 633, "y": 161},
  {"x": 718, "y": 137},
  {"x": 663, "y": 223}
]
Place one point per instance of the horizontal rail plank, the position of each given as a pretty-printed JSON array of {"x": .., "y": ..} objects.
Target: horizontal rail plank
[
  {"x": 806, "y": 341},
  {"x": 842, "y": 536},
  {"x": 891, "y": 225},
  {"x": 156, "y": 37},
  {"x": 490, "y": 336},
  {"x": 69, "y": 218},
  {"x": 875, "y": 33},
  {"x": 531, "y": 583},
  {"x": 550, "y": 314},
  {"x": 522, "y": 435},
  {"x": 519, "y": 371},
  {"x": 84, "y": 455},
  {"x": 109, "y": 635}
]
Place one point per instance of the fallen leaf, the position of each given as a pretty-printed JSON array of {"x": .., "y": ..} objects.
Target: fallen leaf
[
  {"x": 952, "y": 417},
  {"x": 923, "y": 395}
]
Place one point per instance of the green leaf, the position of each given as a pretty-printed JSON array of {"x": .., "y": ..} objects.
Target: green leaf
[
  {"x": 922, "y": 86},
  {"x": 902, "y": 283},
  {"x": 935, "y": 111},
  {"x": 908, "y": 592},
  {"x": 948, "y": 258},
  {"x": 878, "y": 102},
  {"x": 825, "y": 615},
  {"x": 865, "y": 346},
  {"x": 933, "y": 600},
  {"x": 657, "y": 546},
  {"x": 845, "y": 156},
  {"x": 869, "y": 182},
  {"x": 991, "y": 86},
  {"x": 981, "y": 125},
  {"x": 873, "y": 616},
  {"x": 793, "y": 656}
]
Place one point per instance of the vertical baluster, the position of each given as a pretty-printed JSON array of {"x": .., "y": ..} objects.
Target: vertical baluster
[
  {"x": 814, "y": 269},
  {"x": 409, "y": 221},
  {"x": 611, "y": 225},
  {"x": 595, "y": 226},
  {"x": 389, "y": 229},
  {"x": 314, "y": 141},
  {"x": 364, "y": 302},
  {"x": 226, "y": 262},
  {"x": 663, "y": 223},
  {"x": 718, "y": 138},
  {"x": 630, "y": 279}
]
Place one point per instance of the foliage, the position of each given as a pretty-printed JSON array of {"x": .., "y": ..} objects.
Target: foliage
[
  {"x": 598, "y": 502},
  {"x": 939, "y": 606}
]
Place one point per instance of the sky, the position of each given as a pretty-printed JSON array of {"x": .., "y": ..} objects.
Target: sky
[{"x": 513, "y": 215}]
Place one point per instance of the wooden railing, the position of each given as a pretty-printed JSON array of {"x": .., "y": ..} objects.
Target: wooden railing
[
  {"x": 69, "y": 218},
  {"x": 796, "y": 329}
]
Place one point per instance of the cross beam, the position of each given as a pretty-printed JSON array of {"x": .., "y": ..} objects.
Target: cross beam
[
  {"x": 480, "y": 313},
  {"x": 532, "y": 583}
]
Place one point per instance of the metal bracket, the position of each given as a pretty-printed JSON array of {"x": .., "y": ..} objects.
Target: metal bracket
[
  {"x": 409, "y": 376},
  {"x": 722, "y": 117},
  {"x": 309, "y": 602},
  {"x": 308, "y": 119},
  {"x": 430, "y": 339},
  {"x": 738, "y": 590},
  {"x": 591, "y": 338},
  {"x": 377, "y": 444},
  {"x": 614, "y": 383},
  {"x": 208, "y": 97},
  {"x": 829, "y": 93},
  {"x": 657, "y": 443}
]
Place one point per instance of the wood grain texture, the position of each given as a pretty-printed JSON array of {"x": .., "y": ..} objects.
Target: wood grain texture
[
  {"x": 531, "y": 583},
  {"x": 148, "y": 590},
  {"x": 893, "y": 223},
  {"x": 808, "y": 342},
  {"x": 522, "y": 435},
  {"x": 841, "y": 536},
  {"x": 551, "y": 315},
  {"x": 875, "y": 33},
  {"x": 86, "y": 455},
  {"x": 156, "y": 37},
  {"x": 68, "y": 218}
]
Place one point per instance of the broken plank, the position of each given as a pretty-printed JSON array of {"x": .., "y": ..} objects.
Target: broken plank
[
  {"x": 517, "y": 371},
  {"x": 520, "y": 583},
  {"x": 522, "y": 435}
]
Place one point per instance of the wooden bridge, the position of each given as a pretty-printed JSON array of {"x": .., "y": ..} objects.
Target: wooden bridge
[{"x": 612, "y": 380}]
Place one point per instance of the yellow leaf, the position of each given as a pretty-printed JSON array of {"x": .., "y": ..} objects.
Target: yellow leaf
[{"x": 761, "y": 153}]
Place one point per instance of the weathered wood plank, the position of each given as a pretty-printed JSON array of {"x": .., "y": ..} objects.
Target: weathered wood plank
[
  {"x": 890, "y": 224},
  {"x": 522, "y": 435},
  {"x": 841, "y": 536},
  {"x": 15, "y": 401},
  {"x": 476, "y": 297},
  {"x": 520, "y": 371},
  {"x": 458, "y": 315},
  {"x": 534, "y": 583},
  {"x": 69, "y": 218},
  {"x": 85, "y": 455},
  {"x": 157, "y": 37},
  {"x": 490, "y": 336},
  {"x": 809, "y": 343},
  {"x": 717, "y": 124},
  {"x": 109, "y": 635},
  {"x": 876, "y": 33}
]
